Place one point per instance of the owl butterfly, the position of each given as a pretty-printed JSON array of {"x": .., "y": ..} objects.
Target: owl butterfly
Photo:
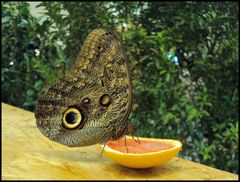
[{"x": 92, "y": 102}]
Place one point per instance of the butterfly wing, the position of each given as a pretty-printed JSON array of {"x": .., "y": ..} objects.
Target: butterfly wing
[{"x": 97, "y": 90}]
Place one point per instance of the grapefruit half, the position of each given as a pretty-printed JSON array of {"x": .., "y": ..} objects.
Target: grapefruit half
[{"x": 150, "y": 152}]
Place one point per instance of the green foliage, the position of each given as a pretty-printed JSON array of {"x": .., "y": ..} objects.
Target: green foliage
[
  {"x": 20, "y": 81},
  {"x": 201, "y": 110}
]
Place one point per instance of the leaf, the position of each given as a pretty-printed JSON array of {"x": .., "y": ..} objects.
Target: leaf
[
  {"x": 162, "y": 72},
  {"x": 27, "y": 61},
  {"x": 143, "y": 58},
  {"x": 168, "y": 77},
  {"x": 193, "y": 113},
  {"x": 23, "y": 23},
  {"x": 38, "y": 84},
  {"x": 6, "y": 19},
  {"x": 166, "y": 118}
]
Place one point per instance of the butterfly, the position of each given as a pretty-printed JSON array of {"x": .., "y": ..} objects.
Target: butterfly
[{"x": 91, "y": 103}]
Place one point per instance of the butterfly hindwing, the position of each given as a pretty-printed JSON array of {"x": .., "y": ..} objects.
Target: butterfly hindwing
[{"x": 97, "y": 90}]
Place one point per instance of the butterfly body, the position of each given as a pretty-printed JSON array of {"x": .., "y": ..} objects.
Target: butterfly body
[{"x": 91, "y": 103}]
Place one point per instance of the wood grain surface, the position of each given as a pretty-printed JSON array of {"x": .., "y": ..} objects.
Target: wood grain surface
[{"x": 27, "y": 154}]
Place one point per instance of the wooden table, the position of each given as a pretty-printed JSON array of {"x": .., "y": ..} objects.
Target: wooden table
[{"x": 27, "y": 154}]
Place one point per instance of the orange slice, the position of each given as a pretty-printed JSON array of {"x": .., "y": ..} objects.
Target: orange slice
[{"x": 150, "y": 152}]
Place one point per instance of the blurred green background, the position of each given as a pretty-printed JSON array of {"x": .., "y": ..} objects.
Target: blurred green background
[{"x": 40, "y": 43}]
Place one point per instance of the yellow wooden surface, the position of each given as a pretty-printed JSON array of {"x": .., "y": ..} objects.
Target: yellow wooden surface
[{"x": 27, "y": 154}]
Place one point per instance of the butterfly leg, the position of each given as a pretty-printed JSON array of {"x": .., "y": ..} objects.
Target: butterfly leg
[
  {"x": 130, "y": 131},
  {"x": 125, "y": 141},
  {"x": 136, "y": 140},
  {"x": 103, "y": 148}
]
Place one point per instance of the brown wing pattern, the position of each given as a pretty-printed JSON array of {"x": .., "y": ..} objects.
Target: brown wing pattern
[{"x": 98, "y": 87}]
